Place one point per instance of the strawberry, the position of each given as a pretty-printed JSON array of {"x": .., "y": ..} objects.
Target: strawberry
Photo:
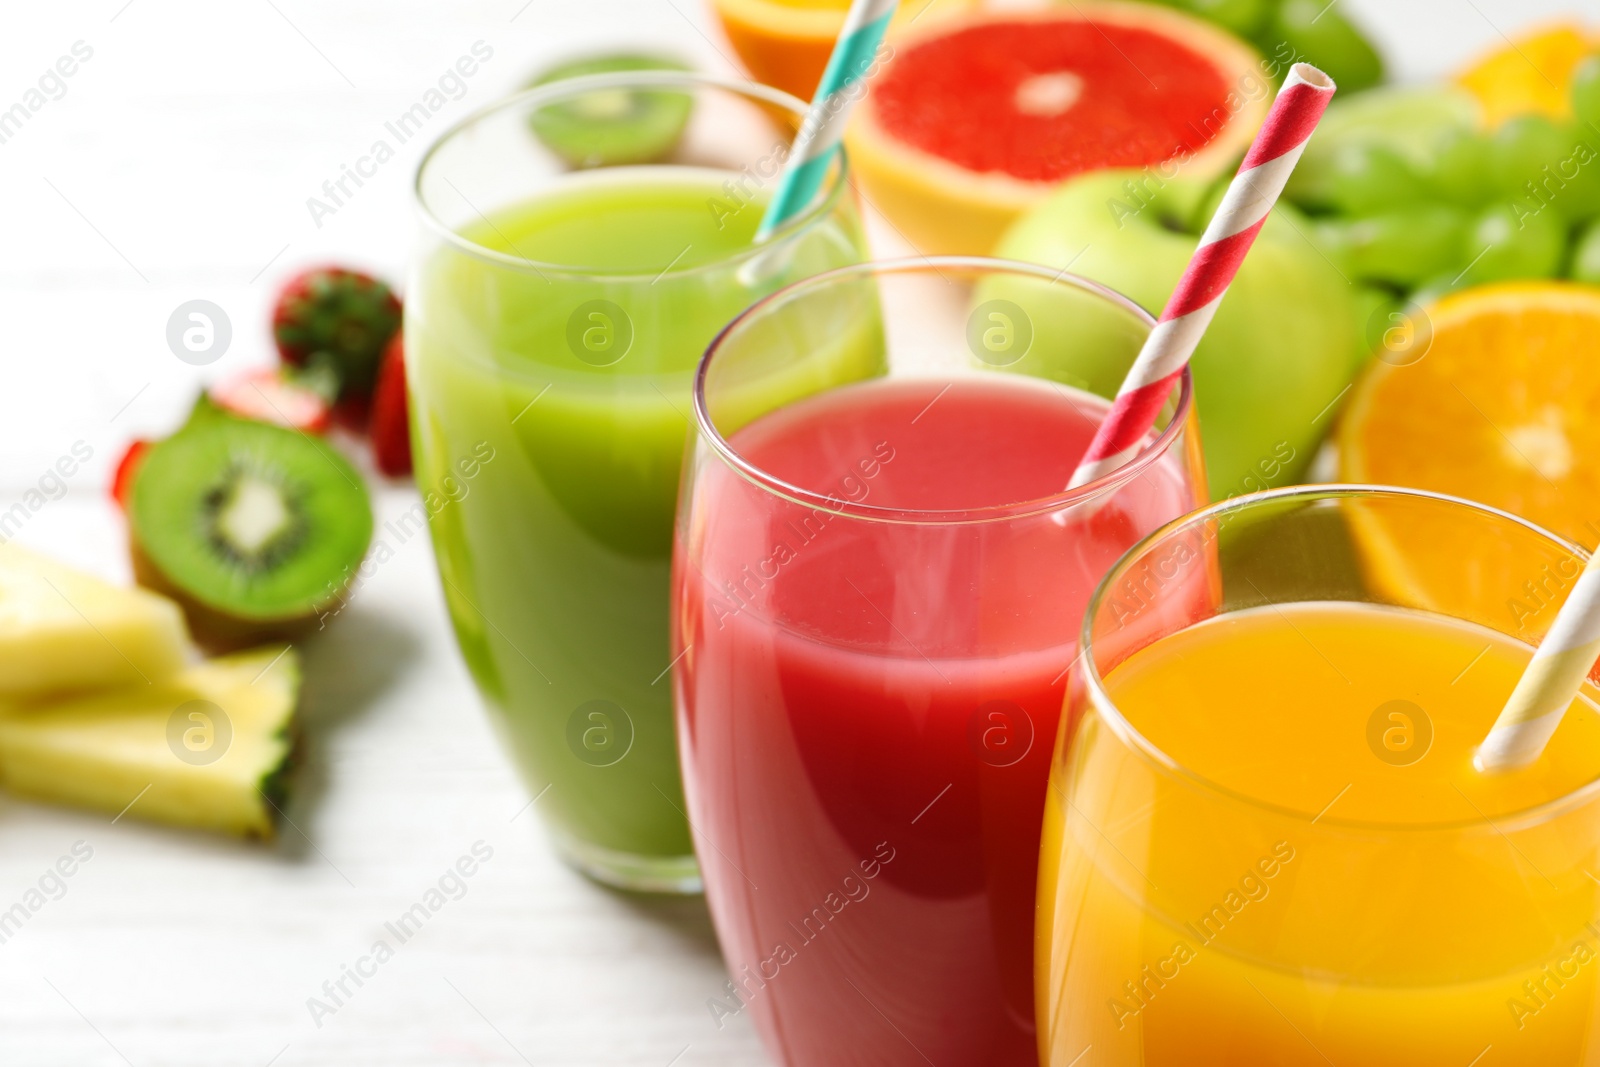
[
  {"x": 342, "y": 316},
  {"x": 127, "y": 467},
  {"x": 390, "y": 429},
  {"x": 281, "y": 396}
]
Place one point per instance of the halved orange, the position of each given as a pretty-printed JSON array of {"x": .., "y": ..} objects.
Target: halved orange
[
  {"x": 1532, "y": 74},
  {"x": 786, "y": 43},
  {"x": 1502, "y": 407}
]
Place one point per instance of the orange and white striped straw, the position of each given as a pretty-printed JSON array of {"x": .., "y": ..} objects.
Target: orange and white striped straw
[
  {"x": 1254, "y": 190},
  {"x": 1552, "y": 680}
]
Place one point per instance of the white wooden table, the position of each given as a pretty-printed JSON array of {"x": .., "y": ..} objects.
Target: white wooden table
[{"x": 176, "y": 164}]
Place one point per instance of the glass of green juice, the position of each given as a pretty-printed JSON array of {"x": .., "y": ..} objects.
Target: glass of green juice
[{"x": 584, "y": 243}]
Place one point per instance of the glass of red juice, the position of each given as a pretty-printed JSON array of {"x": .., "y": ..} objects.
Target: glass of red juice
[{"x": 878, "y": 580}]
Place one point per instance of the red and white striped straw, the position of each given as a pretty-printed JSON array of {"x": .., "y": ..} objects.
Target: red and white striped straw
[{"x": 1251, "y": 195}]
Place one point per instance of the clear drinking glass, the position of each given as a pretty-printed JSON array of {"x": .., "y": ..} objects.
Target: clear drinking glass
[
  {"x": 1265, "y": 841},
  {"x": 878, "y": 581},
  {"x": 584, "y": 241}
]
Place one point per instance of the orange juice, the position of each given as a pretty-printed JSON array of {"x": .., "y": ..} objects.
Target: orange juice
[{"x": 1265, "y": 843}]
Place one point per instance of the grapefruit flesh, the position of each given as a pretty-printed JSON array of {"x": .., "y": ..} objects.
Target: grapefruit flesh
[
  {"x": 1002, "y": 97},
  {"x": 975, "y": 120}
]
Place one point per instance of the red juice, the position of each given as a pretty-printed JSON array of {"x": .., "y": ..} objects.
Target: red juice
[{"x": 867, "y": 708}]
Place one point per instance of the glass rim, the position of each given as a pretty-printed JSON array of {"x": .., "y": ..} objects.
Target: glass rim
[
  {"x": 1067, "y": 498},
  {"x": 1154, "y": 756},
  {"x": 819, "y": 209}
]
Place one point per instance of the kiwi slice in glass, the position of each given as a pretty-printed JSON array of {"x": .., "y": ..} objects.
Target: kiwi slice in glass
[
  {"x": 255, "y": 529},
  {"x": 612, "y": 127}
]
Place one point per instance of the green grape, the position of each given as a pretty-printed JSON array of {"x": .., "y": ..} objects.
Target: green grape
[
  {"x": 1580, "y": 168},
  {"x": 1367, "y": 178},
  {"x": 1459, "y": 170},
  {"x": 1502, "y": 245},
  {"x": 1586, "y": 256},
  {"x": 1521, "y": 150},
  {"x": 1582, "y": 197},
  {"x": 1402, "y": 248},
  {"x": 1414, "y": 121},
  {"x": 1312, "y": 31},
  {"x": 1586, "y": 95}
]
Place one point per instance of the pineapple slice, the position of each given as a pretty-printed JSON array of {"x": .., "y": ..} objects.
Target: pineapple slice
[
  {"x": 63, "y": 630},
  {"x": 208, "y": 747}
]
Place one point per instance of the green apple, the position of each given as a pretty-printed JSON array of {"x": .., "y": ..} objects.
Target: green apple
[
  {"x": 1285, "y": 342},
  {"x": 1507, "y": 242},
  {"x": 1523, "y": 151}
]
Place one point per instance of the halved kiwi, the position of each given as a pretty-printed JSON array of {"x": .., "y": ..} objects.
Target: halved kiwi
[
  {"x": 611, "y": 127},
  {"x": 255, "y": 529}
]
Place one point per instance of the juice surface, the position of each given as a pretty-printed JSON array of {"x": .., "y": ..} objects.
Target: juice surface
[
  {"x": 1359, "y": 894},
  {"x": 1316, "y": 676},
  {"x": 866, "y": 709},
  {"x": 624, "y": 223},
  {"x": 574, "y": 374}
]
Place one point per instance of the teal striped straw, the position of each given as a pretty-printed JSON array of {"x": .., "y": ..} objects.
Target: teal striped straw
[{"x": 818, "y": 141}]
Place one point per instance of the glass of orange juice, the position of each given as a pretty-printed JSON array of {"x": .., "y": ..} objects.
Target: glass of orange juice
[{"x": 1265, "y": 841}]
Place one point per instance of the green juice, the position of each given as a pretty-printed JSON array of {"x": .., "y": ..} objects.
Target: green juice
[{"x": 565, "y": 342}]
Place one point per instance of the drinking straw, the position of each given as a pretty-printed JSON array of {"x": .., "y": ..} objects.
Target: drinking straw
[
  {"x": 1550, "y": 682},
  {"x": 818, "y": 140},
  {"x": 1250, "y": 196}
]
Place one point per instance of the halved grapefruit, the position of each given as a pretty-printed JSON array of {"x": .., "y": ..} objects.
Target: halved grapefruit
[{"x": 976, "y": 119}]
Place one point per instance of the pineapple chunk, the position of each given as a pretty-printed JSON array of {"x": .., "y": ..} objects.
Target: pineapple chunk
[
  {"x": 62, "y": 630},
  {"x": 207, "y": 747}
]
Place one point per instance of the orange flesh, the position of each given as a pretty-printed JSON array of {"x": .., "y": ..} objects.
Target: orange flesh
[{"x": 1501, "y": 410}]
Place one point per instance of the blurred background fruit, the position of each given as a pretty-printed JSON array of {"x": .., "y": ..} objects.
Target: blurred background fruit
[
  {"x": 284, "y": 395},
  {"x": 1317, "y": 32},
  {"x": 1283, "y": 345},
  {"x": 1292, "y": 31},
  {"x": 390, "y": 427},
  {"x": 1489, "y": 396},
  {"x": 611, "y": 127},
  {"x": 1416, "y": 192},
  {"x": 1531, "y": 73},
  {"x": 64, "y": 631},
  {"x": 334, "y": 320},
  {"x": 1416, "y": 123},
  {"x": 979, "y": 118},
  {"x": 1586, "y": 255},
  {"x": 236, "y": 735},
  {"x": 786, "y": 43}
]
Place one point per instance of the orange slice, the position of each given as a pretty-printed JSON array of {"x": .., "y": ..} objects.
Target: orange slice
[
  {"x": 1500, "y": 408},
  {"x": 786, "y": 43},
  {"x": 976, "y": 119},
  {"x": 1531, "y": 74}
]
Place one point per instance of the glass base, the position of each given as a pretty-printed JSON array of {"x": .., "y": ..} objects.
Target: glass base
[{"x": 629, "y": 870}]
